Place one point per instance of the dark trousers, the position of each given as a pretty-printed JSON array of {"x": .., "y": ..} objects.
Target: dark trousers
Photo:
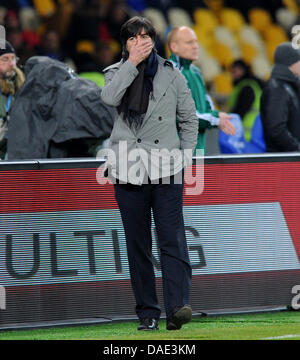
[{"x": 135, "y": 204}]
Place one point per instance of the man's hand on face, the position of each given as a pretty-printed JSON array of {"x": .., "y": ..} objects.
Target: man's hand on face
[
  {"x": 226, "y": 125},
  {"x": 139, "y": 49}
]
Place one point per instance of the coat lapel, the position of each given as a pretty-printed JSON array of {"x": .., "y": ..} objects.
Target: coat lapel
[{"x": 161, "y": 82}]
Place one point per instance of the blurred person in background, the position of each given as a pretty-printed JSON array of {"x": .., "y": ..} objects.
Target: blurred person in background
[
  {"x": 83, "y": 24},
  {"x": 280, "y": 101},
  {"x": 93, "y": 21},
  {"x": 245, "y": 98},
  {"x": 183, "y": 44},
  {"x": 117, "y": 14},
  {"x": 15, "y": 37},
  {"x": 91, "y": 65},
  {"x": 50, "y": 46},
  {"x": 11, "y": 19},
  {"x": 104, "y": 56},
  {"x": 11, "y": 79},
  {"x": 22, "y": 41}
]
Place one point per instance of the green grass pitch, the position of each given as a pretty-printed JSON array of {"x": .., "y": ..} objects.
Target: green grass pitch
[{"x": 263, "y": 326}]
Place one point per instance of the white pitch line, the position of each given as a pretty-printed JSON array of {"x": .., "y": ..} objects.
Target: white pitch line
[{"x": 282, "y": 337}]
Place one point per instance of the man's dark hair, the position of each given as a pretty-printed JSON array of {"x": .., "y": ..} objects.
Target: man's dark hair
[{"x": 133, "y": 27}]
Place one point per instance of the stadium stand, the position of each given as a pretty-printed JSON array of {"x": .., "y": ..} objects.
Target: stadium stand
[
  {"x": 223, "y": 31},
  {"x": 226, "y": 31},
  {"x": 286, "y": 18},
  {"x": 232, "y": 19},
  {"x": 158, "y": 20},
  {"x": 179, "y": 17}
]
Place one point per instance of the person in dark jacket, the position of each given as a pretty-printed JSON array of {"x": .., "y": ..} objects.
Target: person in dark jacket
[
  {"x": 280, "y": 101},
  {"x": 245, "y": 98}
]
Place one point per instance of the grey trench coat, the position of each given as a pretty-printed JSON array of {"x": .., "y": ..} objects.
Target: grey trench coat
[{"x": 156, "y": 149}]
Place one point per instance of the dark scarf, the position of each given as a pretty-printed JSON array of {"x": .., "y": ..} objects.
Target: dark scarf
[{"x": 136, "y": 98}]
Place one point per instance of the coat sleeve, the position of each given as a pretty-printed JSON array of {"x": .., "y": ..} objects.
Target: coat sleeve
[
  {"x": 117, "y": 80},
  {"x": 208, "y": 117},
  {"x": 275, "y": 111},
  {"x": 186, "y": 115}
]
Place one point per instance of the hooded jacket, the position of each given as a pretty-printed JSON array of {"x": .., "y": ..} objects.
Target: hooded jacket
[{"x": 280, "y": 111}]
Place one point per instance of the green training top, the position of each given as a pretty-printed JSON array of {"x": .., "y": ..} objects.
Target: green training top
[{"x": 208, "y": 117}]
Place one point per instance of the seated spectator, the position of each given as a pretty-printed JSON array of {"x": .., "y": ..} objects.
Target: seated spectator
[
  {"x": 22, "y": 41},
  {"x": 90, "y": 65},
  {"x": 16, "y": 37},
  {"x": 85, "y": 23},
  {"x": 245, "y": 99},
  {"x": 104, "y": 55},
  {"x": 87, "y": 68},
  {"x": 50, "y": 46},
  {"x": 11, "y": 79},
  {"x": 280, "y": 101},
  {"x": 11, "y": 19},
  {"x": 117, "y": 15}
]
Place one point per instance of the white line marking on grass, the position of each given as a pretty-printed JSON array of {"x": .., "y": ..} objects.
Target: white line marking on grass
[{"x": 282, "y": 337}]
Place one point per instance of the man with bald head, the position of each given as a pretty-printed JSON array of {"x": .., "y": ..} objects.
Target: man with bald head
[{"x": 183, "y": 44}]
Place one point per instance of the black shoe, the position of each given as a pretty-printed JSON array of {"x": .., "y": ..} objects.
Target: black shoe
[
  {"x": 148, "y": 324},
  {"x": 181, "y": 316}
]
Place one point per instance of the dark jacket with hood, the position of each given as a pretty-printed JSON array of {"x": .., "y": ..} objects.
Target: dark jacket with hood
[
  {"x": 55, "y": 105},
  {"x": 280, "y": 110}
]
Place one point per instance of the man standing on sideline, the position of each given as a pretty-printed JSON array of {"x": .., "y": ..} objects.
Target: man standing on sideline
[
  {"x": 280, "y": 101},
  {"x": 183, "y": 44},
  {"x": 11, "y": 79},
  {"x": 149, "y": 94}
]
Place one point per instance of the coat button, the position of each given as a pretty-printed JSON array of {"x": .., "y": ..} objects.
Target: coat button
[
  {"x": 139, "y": 140},
  {"x": 160, "y": 118},
  {"x": 156, "y": 141}
]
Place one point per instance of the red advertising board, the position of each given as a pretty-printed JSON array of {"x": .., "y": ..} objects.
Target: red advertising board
[{"x": 63, "y": 253}]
